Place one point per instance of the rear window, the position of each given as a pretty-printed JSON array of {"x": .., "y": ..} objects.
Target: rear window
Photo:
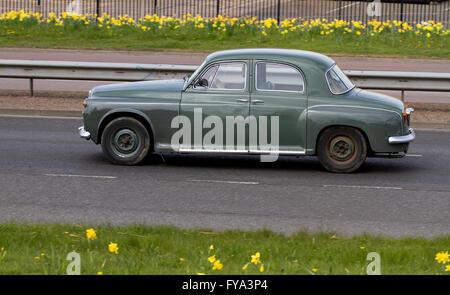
[{"x": 337, "y": 81}]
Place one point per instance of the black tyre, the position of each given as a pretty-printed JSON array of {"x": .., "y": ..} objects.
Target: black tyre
[
  {"x": 341, "y": 149},
  {"x": 125, "y": 141}
]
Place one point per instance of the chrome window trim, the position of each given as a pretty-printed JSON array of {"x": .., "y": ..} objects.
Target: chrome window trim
[
  {"x": 328, "y": 83},
  {"x": 245, "y": 62},
  {"x": 283, "y": 64}
]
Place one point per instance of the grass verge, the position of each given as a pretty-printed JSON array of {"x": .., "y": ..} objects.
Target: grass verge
[
  {"x": 393, "y": 38},
  {"x": 42, "y": 249},
  {"x": 131, "y": 42}
]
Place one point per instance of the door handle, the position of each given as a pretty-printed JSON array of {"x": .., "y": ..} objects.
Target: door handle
[
  {"x": 243, "y": 100},
  {"x": 257, "y": 101}
]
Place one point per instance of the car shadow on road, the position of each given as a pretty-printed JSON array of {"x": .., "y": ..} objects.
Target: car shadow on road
[{"x": 251, "y": 162}]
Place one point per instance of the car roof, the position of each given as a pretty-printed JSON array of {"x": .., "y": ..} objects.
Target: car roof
[{"x": 301, "y": 56}]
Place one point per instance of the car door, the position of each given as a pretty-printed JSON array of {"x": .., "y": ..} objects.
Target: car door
[
  {"x": 278, "y": 91},
  {"x": 225, "y": 94}
]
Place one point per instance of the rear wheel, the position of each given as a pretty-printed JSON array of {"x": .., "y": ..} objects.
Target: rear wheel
[
  {"x": 125, "y": 141},
  {"x": 341, "y": 149}
]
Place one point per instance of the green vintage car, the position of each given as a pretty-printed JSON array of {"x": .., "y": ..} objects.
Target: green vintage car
[{"x": 250, "y": 101}]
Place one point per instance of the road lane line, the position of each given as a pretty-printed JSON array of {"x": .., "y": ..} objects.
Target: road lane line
[
  {"x": 82, "y": 176},
  {"x": 412, "y": 155},
  {"x": 224, "y": 181},
  {"x": 40, "y": 117},
  {"x": 363, "y": 186}
]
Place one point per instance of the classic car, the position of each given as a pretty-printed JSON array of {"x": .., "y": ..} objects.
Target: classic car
[{"x": 306, "y": 101}]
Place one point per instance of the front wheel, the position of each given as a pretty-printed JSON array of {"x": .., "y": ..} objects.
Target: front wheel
[
  {"x": 125, "y": 141},
  {"x": 341, "y": 149}
]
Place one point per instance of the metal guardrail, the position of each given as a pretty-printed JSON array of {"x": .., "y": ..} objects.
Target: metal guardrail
[{"x": 95, "y": 71}]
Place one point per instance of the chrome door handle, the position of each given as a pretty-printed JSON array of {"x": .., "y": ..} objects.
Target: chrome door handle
[
  {"x": 242, "y": 100},
  {"x": 256, "y": 101}
]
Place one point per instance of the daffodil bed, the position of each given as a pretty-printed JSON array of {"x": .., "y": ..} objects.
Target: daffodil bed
[
  {"x": 425, "y": 39},
  {"x": 43, "y": 249}
]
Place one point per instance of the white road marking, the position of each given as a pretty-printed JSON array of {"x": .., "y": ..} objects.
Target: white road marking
[
  {"x": 363, "y": 186},
  {"x": 412, "y": 155},
  {"x": 224, "y": 181},
  {"x": 82, "y": 176},
  {"x": 39, "y": 117}
]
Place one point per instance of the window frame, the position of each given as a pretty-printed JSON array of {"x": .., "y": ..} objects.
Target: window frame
[
  {"x": 329, "y": 86},
  {"x": 219, "y": 63},
  {"x": 281, "y": 64}
]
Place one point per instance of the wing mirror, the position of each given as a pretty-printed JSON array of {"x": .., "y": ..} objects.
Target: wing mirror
[{"x": 201, "y": 83}]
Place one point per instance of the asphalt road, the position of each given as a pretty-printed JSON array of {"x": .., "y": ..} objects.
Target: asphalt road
[
  {"x": 196, "y": 58},
  {"x": 48, "y": 174}
]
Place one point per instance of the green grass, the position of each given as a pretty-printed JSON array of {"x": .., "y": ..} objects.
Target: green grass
[
  {"x": 58, "y": 38},
  {"x": 155, "y": 33},
  {"x": 157, "y": 250}
]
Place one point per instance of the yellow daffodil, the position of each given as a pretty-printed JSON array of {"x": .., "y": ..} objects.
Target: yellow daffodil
[
  {"x": 217, "y": 265},
  {"x": 245, "y": 267},
  {"x": 442, "y": 257},
  {"x": 261, "y": 269},
  {"x": 256, "y": 258},
  {"x": 447, "y": 268},
  {"x": 181, "y": 259},
  {"x": 362, "y": 247},
  {"x": 99, "y": 273},
  {"x": 314, "y": 269},
  {"x": 200, "y": 273},
  {"x": 211, "y": 247},
  {"x": 112, "y": 247},
  {"x": 91, "y": 234},
  {"x": 212, "y": 258}
]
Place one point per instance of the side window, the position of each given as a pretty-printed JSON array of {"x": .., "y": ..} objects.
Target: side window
[
  {"x": 272, "y": 76},
  {"x": 209, "y": 74},
  {"x": 231, "y": 76},
  {"x": 337, "y": 81}
]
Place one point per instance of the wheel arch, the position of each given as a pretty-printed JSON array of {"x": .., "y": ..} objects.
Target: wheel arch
[
  {"x": 138, "y": 115},
  {"x": 321, "y": 131}
]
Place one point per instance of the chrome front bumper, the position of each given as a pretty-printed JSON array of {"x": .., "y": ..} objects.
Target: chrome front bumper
[
  {"x": 404, "y": 138},
  {"x": 83, "y": 133}
]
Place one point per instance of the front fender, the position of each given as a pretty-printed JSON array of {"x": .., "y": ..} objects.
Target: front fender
[
  {"x": 376, "y": 123},
  {"x": 95, "y": 121}
]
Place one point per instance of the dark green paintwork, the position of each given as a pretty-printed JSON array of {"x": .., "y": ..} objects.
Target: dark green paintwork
[{"x": 302, "y": 116}]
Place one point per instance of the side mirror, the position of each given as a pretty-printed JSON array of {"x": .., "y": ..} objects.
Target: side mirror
[
  {"x": 201, "y": 83},
  {"x": 186, "y": 78}
]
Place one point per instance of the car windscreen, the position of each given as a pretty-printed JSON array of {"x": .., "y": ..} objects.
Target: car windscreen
[{"x": 337, "y": 81}]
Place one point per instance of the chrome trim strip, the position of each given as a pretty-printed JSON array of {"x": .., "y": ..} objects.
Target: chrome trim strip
[
  {"x": 404, "y": 138},
  {"x": 300, "y": 153},
  {"x": 83, "y": 133},
  {"x": 183, "y": 150},
  {"x": 353, "y": 106}
]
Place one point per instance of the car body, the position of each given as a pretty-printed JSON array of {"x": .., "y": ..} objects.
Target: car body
[{"x": 306, "y": 91}]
